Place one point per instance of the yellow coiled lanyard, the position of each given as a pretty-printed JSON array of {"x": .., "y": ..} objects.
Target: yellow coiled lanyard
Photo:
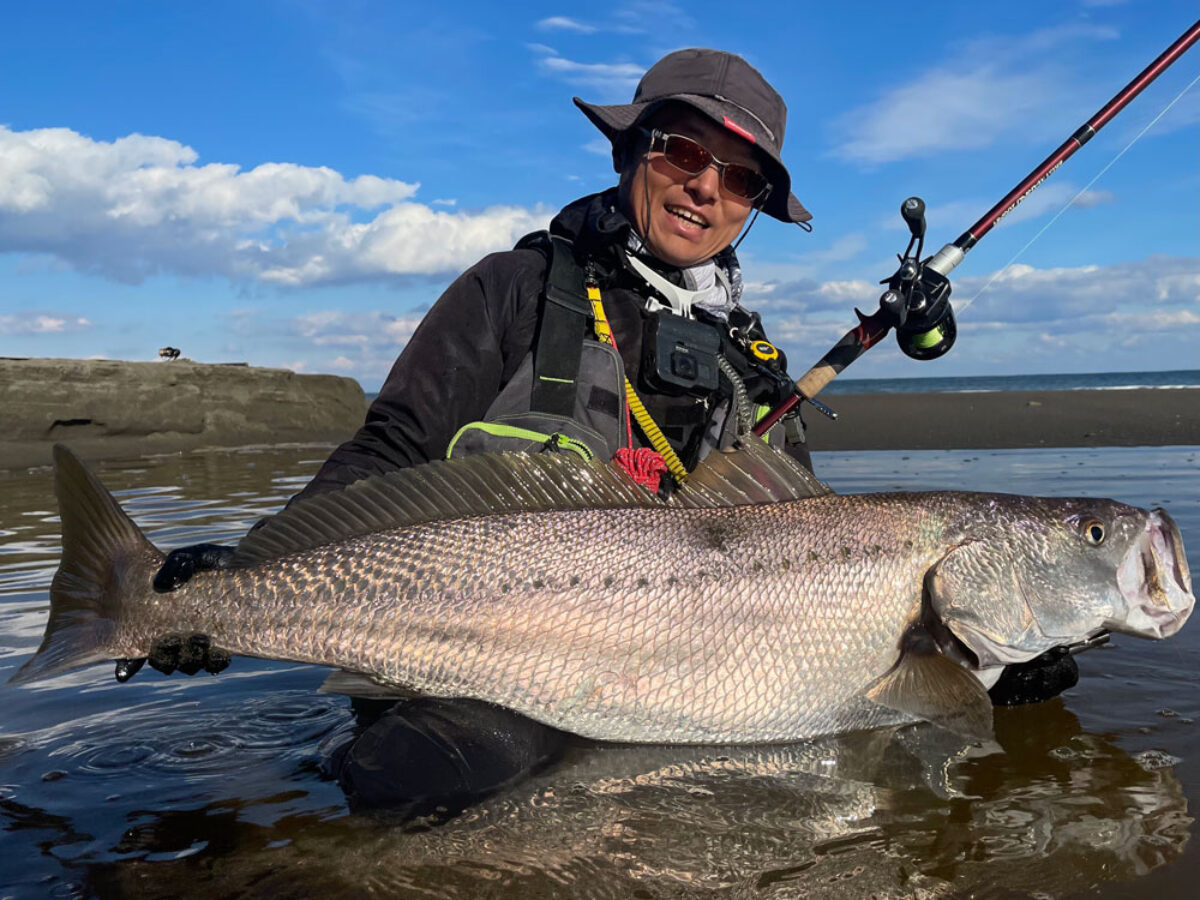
[{"x": 648, "y": 426}]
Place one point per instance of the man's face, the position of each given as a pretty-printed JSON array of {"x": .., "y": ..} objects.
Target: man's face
[{"x": 686, "y": 219}]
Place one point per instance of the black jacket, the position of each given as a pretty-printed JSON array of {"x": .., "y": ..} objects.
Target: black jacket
[{"x": 473, "y": 338}]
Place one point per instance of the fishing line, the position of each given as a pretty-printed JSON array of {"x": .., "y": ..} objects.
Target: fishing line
[{"x": 960, "y": 307}]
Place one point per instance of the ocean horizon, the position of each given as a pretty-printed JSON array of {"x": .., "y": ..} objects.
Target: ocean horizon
[{"x": 1063, "y": 381}]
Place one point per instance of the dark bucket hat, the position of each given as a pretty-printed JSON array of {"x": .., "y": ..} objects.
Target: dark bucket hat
[{"x": 729, "y": 91}]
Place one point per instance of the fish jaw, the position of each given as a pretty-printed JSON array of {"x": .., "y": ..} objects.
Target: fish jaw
[{"x": 1155, "y": 582}]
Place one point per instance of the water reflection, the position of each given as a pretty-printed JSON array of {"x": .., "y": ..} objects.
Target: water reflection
[
  {"x": 839, "y": 818},
  {"x": 169, "y": 787}
]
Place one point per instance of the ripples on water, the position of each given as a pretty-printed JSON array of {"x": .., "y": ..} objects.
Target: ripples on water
[{"x": 168, "y": 787}]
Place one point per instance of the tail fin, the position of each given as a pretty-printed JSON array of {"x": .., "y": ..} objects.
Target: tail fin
[{"x": 101, "y": 548}]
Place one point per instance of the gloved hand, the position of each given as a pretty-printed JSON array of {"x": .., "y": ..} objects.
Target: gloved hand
[
  {"x": 1039, "y": 679},
  {"x": 184, "y": 562},
  {"x": 189, "y": 655},
  {"x": 174, "y": 652}
]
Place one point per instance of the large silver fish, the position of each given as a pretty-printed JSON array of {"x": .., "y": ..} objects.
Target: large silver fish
[{"x": 560, "y": 590}]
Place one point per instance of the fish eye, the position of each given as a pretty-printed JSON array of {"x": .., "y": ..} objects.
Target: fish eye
[{"x": 1093, "y": 532}]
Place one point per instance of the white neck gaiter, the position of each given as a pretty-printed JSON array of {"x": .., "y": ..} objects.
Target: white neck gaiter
[{"x": 713, "y": 288}]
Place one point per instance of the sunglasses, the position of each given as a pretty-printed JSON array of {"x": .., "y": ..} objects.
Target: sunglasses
[{"x": 692, "y": 158}]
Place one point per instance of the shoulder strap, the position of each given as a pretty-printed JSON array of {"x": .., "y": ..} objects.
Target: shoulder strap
[{"x": 562, "y": 328}]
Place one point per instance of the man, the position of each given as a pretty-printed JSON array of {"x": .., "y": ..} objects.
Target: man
[
  {"x": 475, "y": 354},
  {"x": 697, "y": 153},
  {"x": 628, "y": 309},
  {"x": 514, "y": 355}
]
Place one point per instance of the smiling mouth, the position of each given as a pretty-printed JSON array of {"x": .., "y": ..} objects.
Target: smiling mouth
[{"x": 687, "y": 216}]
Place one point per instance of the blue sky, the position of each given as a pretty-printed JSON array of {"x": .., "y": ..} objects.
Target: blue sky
[{"x": 293, "y": 183}]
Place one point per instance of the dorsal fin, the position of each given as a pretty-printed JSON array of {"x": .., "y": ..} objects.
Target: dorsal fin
[
  {"x": 485, "y": 484},
  {"x": 493, "y": 484},
  {"x": 750, "y": 474}
]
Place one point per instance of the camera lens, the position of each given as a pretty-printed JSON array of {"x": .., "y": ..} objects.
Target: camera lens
[{"x": 683, "y": 365}]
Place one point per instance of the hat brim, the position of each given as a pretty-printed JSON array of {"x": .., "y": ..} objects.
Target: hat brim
[{"x": 615, "y": 119}]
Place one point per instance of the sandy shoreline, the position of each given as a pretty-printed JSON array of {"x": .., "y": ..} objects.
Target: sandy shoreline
[
  {"x": 115, "y": 410},
  {"x": 1008, "y": 419}
]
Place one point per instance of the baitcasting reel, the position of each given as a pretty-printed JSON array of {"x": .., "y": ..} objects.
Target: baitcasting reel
[{"x": 917, "y": 301}]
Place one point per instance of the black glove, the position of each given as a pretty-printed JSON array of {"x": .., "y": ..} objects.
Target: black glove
[
  {"x": 184, "y": 562},
  {"x": 1039, "y": 679},
  {"x": 189, "y": 655}
]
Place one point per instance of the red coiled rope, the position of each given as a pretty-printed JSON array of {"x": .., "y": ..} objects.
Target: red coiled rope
[{"x": 644, "y": 465}]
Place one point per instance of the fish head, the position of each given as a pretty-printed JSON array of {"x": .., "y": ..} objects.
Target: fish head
[
  {"x": 1155, "y": 582},
  {"x": 1027, "y": 574}
]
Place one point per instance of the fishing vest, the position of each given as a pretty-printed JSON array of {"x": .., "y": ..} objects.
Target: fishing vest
[{"x": 568, "y": 393}]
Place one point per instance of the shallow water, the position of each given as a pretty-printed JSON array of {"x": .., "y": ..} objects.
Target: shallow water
[{"x": 183, "y": 786}]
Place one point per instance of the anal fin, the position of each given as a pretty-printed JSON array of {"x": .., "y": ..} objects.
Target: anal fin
[{"x": 356, "y": 684}]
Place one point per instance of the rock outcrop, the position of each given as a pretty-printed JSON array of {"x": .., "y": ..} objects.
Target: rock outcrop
[{"x": 113, "y": 409}]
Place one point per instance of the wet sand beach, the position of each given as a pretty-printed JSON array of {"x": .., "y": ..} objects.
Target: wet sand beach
[{"x": 1134, "y": 417}]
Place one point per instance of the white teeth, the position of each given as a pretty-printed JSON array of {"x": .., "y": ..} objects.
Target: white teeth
[{"x": 687, "y": 216}]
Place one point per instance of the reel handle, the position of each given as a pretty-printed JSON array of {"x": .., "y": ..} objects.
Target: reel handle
[{"x": 913, "y": 211}]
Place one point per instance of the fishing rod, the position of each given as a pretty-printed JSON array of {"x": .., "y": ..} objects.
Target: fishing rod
[{"x": 917, "y": 300}]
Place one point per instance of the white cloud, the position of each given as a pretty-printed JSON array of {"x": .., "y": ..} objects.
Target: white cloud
[
  {"x": 1144, "y": 312},
  {"x": 41, "y": 323},
  {"x": 564, "y": 23},
  {"x": 614, "y": 79},
  {"x": 335, "y": 326},
  {"x": 1021, "y": 292},
  {"x": 1140, "y": 323},
  {"x": 630, "y": 17},
  {"x": 1048, "y": 198},
  {"x": 843, "y": 248},
  {"x": 1086, "y": 294},
  {"x": 367, "y": 343},
  {"x": 140, "y": 205},
  {"x": 622, "y": 75},
  {"x": 600, "y": 146},
  {"x": 940, "y": 110},
  {"x": 405, "y": 239},
  {"x": 966, "y": 103},
  {"x": 638, "y": 16},
  {"x": 1051, "y": 198}
]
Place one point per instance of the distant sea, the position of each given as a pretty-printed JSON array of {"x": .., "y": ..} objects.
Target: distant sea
[{"x": 1069, "y": 381}]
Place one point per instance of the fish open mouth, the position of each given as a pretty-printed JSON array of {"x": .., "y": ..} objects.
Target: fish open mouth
[{"x": 1155, "y": 581}]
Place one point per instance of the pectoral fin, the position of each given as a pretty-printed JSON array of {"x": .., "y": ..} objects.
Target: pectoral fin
[{"x": 926, "y": 684}]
